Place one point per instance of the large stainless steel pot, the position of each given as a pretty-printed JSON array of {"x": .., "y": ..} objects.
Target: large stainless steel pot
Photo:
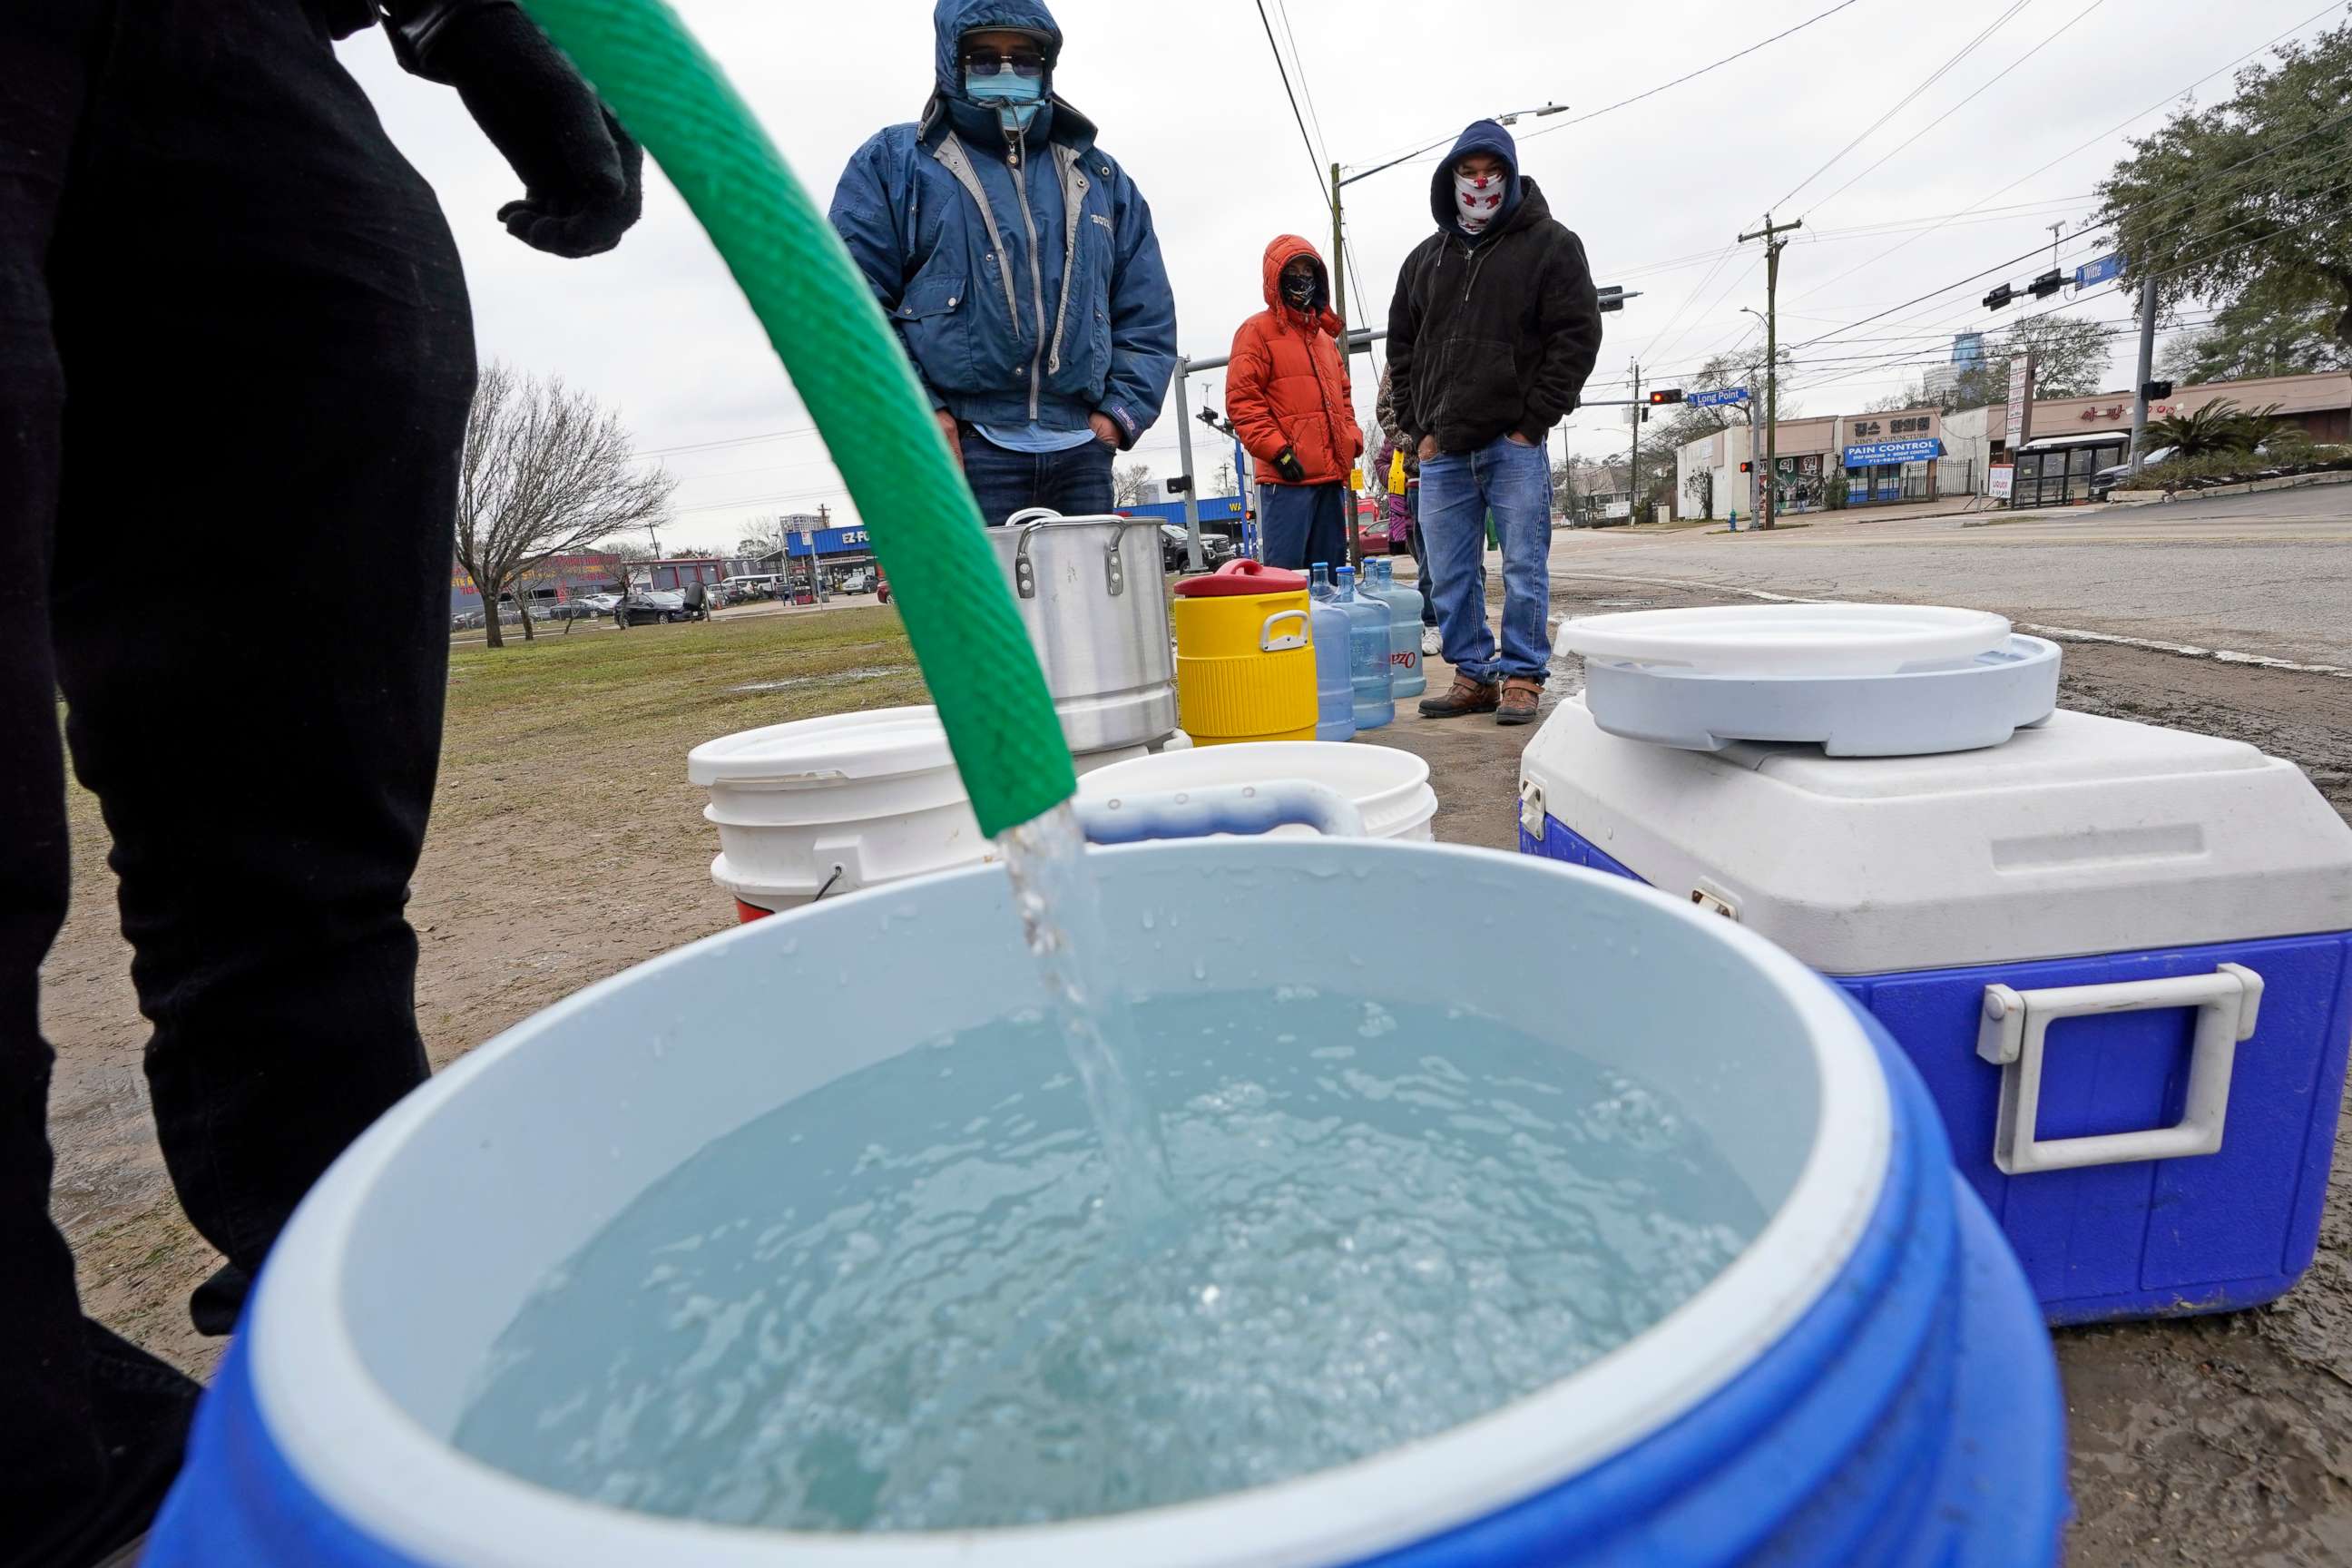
[{"x": 1095, "y": 600}]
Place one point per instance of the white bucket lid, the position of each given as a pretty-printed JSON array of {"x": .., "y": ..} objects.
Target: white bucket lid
[
  {"x": 880, "y": 743},
  {"x": 1788, "y": 639},
  {"x": 1390, "y": 787}
]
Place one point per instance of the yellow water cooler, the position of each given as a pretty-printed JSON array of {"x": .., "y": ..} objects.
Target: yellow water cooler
[{"x": 1245, "y": 656}]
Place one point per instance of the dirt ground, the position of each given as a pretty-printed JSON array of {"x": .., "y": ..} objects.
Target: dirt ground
[{"x": 567, "y": 843}]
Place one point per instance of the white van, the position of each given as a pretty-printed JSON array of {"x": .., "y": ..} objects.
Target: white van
[{"x": 753, "y": 585}]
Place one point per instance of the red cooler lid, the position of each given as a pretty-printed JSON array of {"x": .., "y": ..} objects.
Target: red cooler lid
[{"x": 1236, "y": 577}]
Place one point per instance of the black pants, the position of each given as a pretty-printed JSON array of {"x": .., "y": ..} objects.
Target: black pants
[{"x": 236, "y": 357}]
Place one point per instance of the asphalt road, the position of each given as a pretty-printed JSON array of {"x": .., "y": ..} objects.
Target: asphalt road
[{"x": 2268, "y": 574}]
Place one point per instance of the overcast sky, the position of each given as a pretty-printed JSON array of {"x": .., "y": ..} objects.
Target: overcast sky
[{"x": 1191, "y": 103}]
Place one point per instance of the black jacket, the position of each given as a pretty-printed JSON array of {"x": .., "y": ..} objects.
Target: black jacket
[{"x": 1495, "y": 335}]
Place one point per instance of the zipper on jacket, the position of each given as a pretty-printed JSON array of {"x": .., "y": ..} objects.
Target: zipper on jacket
[{"x": 1036, "y": 278}]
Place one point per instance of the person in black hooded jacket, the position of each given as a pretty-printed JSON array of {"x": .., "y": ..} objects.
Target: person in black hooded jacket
[
  {"x": 230, "y": 312},
  {"x": 1493, "y": 331}
]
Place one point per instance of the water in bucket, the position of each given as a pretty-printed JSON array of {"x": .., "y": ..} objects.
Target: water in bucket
[{"x": 902, "y": 1303}]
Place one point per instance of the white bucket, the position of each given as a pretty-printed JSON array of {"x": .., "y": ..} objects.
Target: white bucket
[
  {"x": 829, "y": 805},
  {"x": 1388, "y": 787}
]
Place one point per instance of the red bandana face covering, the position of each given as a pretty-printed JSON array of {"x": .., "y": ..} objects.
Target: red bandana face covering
[{"x": 1477, "y": 198}]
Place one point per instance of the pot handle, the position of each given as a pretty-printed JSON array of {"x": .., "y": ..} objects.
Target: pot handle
[
  {"x": 1225, "y": 808},
  {"x": 1268, "y": 643}
]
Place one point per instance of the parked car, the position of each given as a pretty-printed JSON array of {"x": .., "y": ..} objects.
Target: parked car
[
  {"x": 644, "y": 607},
  {"x": 2105, "y": 481},
  {"x": 598, "y": 603},
  {"x": 465, "y": 621},
  {"x": 1175, "y": 552}
]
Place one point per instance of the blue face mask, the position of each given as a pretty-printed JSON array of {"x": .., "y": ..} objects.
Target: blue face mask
[{"x": 1017, "y": 98}]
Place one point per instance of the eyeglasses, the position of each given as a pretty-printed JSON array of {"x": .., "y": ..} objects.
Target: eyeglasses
[{"x": 988, "y": 62}]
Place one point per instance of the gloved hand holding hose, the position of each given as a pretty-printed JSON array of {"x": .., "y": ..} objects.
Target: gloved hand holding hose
[{"x": 582, "y": 175}]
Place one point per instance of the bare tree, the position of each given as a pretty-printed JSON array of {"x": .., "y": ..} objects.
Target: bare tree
[
  {"x": 1130, "y": 484},
  {"x": 545, "y": 471},
  {"x": 1224, "y": 478}
]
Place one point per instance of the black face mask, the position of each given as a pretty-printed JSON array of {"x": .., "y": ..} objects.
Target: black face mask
[{"x": 1304, "y": 293}]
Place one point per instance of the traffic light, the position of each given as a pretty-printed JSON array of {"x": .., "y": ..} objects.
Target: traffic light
[
  {"x": 1746, "y": 468},
  {"x": 2000, "y": 297},
  {"x": 2049, "y": 283},
  {"x": 1612, "y": 298},
  {"x": 2157, "y": 391},
  {"x": 1668, "y": 394}
]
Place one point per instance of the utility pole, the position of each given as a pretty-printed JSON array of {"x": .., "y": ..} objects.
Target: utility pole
[
  {"x": 1770, "y": 511},
  {"x": 2055, "y": 230},
  {"x": 2146, "y": 369},
  {"x": 1634, "y": 459},
  {"x": 1335, "y": 279}
]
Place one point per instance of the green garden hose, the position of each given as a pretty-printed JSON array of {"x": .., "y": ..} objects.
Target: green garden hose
[{"x": 848, "y": 368}]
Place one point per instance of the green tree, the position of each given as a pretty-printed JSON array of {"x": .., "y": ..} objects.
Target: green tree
[
  {"x": 2258, "y": 334},
  {"x": 2220, "y": 426},
  {"x": 2248, "y": 196}
]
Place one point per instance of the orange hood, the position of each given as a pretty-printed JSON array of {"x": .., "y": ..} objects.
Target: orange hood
[{"x": 1284, "y": 249}]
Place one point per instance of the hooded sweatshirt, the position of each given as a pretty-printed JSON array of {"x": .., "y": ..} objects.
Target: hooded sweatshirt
[
  {"x": 1022, "y": 274},
  {"x": 1494, "y": 334},
  {"x": 1286, "y": 386}
]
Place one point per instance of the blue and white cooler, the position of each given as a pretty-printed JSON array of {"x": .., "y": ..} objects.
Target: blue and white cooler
[{"x": 2119, "y": 955}]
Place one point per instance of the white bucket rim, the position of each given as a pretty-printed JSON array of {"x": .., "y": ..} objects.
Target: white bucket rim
[
  {"x": 1397, "y": 801},
  {"x": 378, "y": 1468},
  {"x": 826, "y": 753}
]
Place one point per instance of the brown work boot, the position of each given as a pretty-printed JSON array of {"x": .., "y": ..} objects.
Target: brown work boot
[
  {"x": 1468, "y": 696},
  {"x": 1520, "y": 696}
]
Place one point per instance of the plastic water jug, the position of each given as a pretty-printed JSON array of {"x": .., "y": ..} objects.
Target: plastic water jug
[
  {"x": 1335, "y": 694},
  {"x": 1245, "y": 656},
  {"x": 1407, "y": 679},
  {"x": 1368, "y": 653}
]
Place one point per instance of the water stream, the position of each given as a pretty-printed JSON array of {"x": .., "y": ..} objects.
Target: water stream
[{"x": 1061, "y": 917}]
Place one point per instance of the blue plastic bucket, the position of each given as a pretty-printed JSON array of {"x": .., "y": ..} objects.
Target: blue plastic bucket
[{"x": 1868, "y": 1383}]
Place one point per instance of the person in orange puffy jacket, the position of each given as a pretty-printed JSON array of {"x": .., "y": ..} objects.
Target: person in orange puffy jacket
[{"x": 1286, "y": 393}]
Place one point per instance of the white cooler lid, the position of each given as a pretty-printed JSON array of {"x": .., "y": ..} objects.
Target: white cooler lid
[
  {"x": 2088, "y": 836},
  {"x": 1788, "y": 639},
  {"x": 880, "y": 743}
]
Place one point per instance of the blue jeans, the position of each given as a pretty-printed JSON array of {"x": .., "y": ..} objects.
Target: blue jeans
[
  {"x": 1458, "y": 489},
  {"x": 1075, "y": 483},
  {"x": 1302, "y": 524}
]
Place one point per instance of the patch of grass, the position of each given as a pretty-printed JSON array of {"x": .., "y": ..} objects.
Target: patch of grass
[{"x": 602, "y": 724}]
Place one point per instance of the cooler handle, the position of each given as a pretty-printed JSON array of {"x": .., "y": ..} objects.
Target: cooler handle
[
  {"x": 2014, "y": 1035},
  {"x": 1224, "y": 808},
  {"x": 1269, "y": 643}
]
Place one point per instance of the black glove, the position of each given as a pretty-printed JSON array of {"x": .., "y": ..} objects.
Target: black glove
[
  {"x": 1286, "y": 464},
  {"x": 581, "y": 174}
]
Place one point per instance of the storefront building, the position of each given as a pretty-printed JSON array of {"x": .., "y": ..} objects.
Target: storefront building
[{"x": 1891, "y": 457}]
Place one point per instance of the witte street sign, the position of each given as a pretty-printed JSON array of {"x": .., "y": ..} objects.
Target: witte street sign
[
  {"x": 1718, "y": 397},
  {"x": 2099, "y": 272}
]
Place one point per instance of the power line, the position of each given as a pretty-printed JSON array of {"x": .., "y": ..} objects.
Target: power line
[
  {"x": 1312, "y": 162},
  {"x": 2071, "y": 23},
  {"x": 1933, "y": 78},
  {"x": 730, "y": 441},
  {"x": 1690, "y": 76},
  {"x": 1306, "y": 89},
  {"x": 2170, "y": 98},
  {"x": 2268, "y": 151}
]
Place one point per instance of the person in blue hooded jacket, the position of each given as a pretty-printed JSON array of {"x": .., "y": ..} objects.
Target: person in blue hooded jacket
[{"x": 1016, "y": 261}]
